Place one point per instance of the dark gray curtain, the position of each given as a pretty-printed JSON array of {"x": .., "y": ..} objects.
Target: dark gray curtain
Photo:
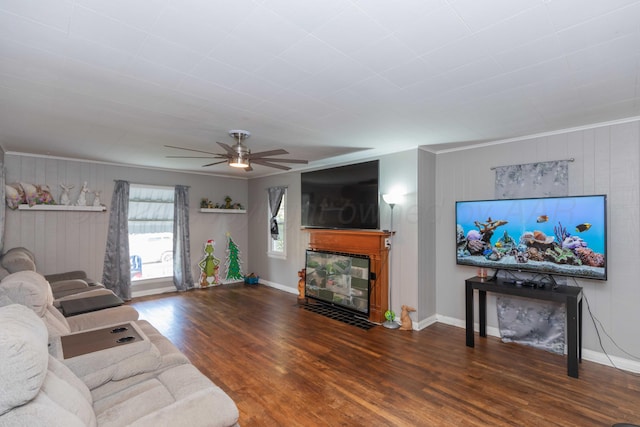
[
  {"x": 275, "y": 199},
  {"x": 117, "y": 266},
  {"x": 526, "y": 321},
  {"x": 182, "y": 277}
]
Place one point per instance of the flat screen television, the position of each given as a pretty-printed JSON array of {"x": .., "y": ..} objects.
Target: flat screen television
[
  {"x": 344, "y": 197},
  {"x": 551, "y": 235},
  {"x": 338, "y": 279}
]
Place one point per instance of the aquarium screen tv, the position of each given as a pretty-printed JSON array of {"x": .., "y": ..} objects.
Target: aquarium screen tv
[
  {"x": 551, "y": 235},
  {"x": 341, "y": 280}
]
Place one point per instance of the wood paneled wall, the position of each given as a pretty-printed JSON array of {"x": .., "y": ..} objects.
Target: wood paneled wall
[
  {"x": 606, "y": 161},
  {"x": 64, "y": 241}
]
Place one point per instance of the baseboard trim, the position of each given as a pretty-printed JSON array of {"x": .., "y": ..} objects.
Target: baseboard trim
[
  {"x": 279, "y": 287},
  {"x": 417, "y": 326},
  {"x": 590, "y": 355},
  {"x": 154, "y": 291}
]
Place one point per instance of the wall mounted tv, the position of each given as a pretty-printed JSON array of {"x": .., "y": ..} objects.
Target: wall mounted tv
[
  {"x": 344, "y": 197},
  {"x": 341, "y": 280},
  {"x": 552, "y": 236}
]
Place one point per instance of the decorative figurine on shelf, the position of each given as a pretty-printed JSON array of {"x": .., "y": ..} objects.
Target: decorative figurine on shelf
[
  {"x": 302, "y": 274},
  {"x": 82, "y": 198},
  {"x": 234, "y": 270},
  {"x": 64, "y": 197},
  {"x": 209, "y": 267},
  {"x": 206, "y": 203},
  {"x": 406, "y": 324},
  {"x": 96, "y": 199},
  {"x": 227, "y": 202}
]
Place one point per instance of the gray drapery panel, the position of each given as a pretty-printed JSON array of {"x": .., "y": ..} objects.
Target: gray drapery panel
[
  {"x": 520, "y": 320},
  {"x": 3, "y": 205},
  {"x": 117, "y": 266},
  {"x": 275, "y": 199},
  {"x": 182, "y": 277}
]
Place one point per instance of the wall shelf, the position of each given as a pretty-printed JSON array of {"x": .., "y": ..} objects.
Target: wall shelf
[
  {"x": 62, "y": 208},
  {"x": 226, "y": 211}
]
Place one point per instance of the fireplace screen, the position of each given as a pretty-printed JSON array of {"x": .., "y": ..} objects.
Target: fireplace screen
[{"x": 338, "y": 279}]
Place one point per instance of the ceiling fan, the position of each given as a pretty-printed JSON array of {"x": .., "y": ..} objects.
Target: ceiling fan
[{"x": 239, "y": 156}]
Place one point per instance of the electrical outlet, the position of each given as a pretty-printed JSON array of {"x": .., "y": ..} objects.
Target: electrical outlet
[{"x": 387, "y": 242}]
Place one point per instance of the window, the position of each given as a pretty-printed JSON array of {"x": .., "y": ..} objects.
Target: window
[
  {"x": 150, "y": 231},
  {"x": 277, "y": 246}
]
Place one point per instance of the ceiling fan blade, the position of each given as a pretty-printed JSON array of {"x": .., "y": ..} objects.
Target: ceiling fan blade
[
  {"x": 227, "y": 148},
  {"x": 217, "y": 156},
  {"x": 268, "y": 153},
  {"x": 214, "y": 163},
  {"x": 248, "y": 169},
  {"x": 264, "y": 162},
  {"x": 190, "y": 149},
  {"x": 284, "y": 160}
]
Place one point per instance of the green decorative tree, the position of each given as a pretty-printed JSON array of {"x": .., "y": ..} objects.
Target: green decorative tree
[{"x": 234, "y": 269}]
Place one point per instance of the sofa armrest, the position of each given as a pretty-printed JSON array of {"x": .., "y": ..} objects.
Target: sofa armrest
[
  {"x": 112, "y": 363},
  {"x": 68, "y": 285},
  {"x": 79, "y": 294},
  {"x": 102, "y": 318},
  {"x": 69, "y": 275}
]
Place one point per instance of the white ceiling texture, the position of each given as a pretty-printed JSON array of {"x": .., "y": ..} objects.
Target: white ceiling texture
[{"x": 329, "y": 81}]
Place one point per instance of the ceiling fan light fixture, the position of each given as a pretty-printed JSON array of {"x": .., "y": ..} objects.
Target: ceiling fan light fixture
[{"x": 239, "y": 162}]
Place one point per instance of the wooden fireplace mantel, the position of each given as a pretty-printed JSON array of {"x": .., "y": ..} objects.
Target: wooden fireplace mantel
[{"x": 360, "y": 242}]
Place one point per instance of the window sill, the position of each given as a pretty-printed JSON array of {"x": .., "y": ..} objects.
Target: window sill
[
  {"x": 226, "y": 211},
  {"x": 151, "y": 282},
  {"x": 277, "y": 255}
]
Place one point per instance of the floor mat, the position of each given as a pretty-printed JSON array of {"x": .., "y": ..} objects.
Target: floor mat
[{"x": 337, "y": 314}]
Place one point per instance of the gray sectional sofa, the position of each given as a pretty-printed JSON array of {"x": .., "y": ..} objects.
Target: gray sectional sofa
[{"x": 46, "y": 381}]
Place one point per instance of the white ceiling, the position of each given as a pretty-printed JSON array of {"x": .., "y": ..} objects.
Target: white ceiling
[{"x": 116, "y": 80}]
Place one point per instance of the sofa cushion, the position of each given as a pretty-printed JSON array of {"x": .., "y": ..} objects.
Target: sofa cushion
[
  {"x": 67, "y": 391},
  {"x": 18, "y": 259},
  {"x": 181, "y": 395},
  {"x": 3, "y": 272},
  {"x": 23, "y": 356},
  {"x": 30, "y": 289},
  {"x": 116, "y": 363}
]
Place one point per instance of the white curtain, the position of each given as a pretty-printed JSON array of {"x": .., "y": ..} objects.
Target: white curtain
[
  {"x": 182, "y": 277},
  {"x": 526, "y": 321},
  {"x": 116, "y": 273}
]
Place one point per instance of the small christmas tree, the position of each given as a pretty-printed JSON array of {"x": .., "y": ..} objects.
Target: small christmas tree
[{"x": 234, "y": 269}]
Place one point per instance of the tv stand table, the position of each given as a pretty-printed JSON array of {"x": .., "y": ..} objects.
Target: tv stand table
[{"x": 571, "y": 296}]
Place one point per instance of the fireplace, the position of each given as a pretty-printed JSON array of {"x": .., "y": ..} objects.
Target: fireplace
[{"x": 360, "y": 242}]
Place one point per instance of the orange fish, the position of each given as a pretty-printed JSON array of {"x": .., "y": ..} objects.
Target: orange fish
[{"x": 542, "y": 218}]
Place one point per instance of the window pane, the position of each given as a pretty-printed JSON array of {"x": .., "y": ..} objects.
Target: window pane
[{"x": 151, "y": 232}]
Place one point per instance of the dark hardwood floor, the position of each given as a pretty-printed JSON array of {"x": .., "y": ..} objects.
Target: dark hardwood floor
[{"x": 286, "y": 366}]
